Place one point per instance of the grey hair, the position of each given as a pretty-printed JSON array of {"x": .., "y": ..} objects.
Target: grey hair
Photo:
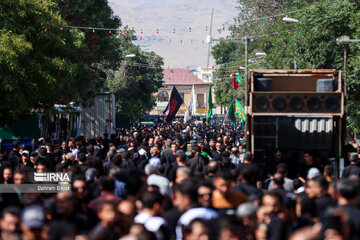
[
  {"x": 150, "y": 169},
  {"x": 115, "y": 171},
  {"x": 178, "y": 152},
  {"x": 184, "y": 171},
  {"x": 246, "y": 209}
]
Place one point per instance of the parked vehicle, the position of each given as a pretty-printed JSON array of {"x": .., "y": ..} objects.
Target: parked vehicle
[{"x": 100, "y": 117}]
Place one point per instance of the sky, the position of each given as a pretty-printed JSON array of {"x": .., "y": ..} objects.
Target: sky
[{"x": 155, "y": 21}]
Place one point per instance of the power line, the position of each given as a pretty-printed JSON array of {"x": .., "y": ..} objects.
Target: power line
[{"x": 173, "y": 30}]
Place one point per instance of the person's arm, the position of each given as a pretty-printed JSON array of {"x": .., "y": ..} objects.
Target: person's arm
[
  {"x": 183, "y": 145},
  {"x": 344, "y": 173}
]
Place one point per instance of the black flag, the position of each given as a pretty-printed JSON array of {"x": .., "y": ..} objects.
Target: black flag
[{"x": 173, "y": 106}]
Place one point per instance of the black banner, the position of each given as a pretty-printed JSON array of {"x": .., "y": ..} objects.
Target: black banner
[{"x": 173, "y": 106}]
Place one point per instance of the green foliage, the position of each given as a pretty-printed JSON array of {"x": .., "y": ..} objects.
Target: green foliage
[
  {"x": 32, "y": 57},
  {"x": 133, "y": 86},
  {"x": 313, "y": 45},
  {"x": 225, "y": 53},
  {"x": 230, "y": 55},
  {"x": 311, "y": 42},
  {"x": 41, "y": 65},
  {"x": 100, "y": 52}
]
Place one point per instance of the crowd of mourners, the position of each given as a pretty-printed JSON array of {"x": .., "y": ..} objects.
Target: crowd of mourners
[{"x": 179, "y": 182}]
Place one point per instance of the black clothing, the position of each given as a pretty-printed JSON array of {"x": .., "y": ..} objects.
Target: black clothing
[
  {"x": 353, "y": 215},
  {"x": 255, "y": 171},
  {"x": 172, "y": 217},
  {"x": 349, "y": 170},
  {"x": 128, "y": 164},
  {"x": 83, "y": 168},
  {"x": 197, "y": 164},
  {"x": 105, "y": 233},
  {"x": 166, "y": 155},
  {"x": 78, "y": 220},
  {"x": 271, "y": 164},
  {"x": 300, "y": 223},
  {"x": 323, "y": 203},
  {"x": 250, "y": 190},
  {"x": 95, "y": 162},
  {"x": 14, "y": 158},
  {"x": 216, "y": 156},
  {"x": 278, "y": 229},
  {"x": 170, "y": 172},
  {"x": 107, "y": 166}
]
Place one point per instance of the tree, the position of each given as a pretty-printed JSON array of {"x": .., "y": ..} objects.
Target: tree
[
  {"x": 224, "y": 53},
  {"x": 99, "y": 65},
  {"x": 229, "y": 52},
  {"x": 36, "y": 70},
  {"x": 44, "y": 60},
  {"x": 101, "y": 50},
  {"x": 136, "y": 81},
  {"x": 313, "y": 45},
  {"x": 310, "y": 42}
]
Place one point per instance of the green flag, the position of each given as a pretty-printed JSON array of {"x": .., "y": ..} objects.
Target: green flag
[
  {"x": 239, "y": 109},
  {"x": 238, "y": 79},
  {"x": 210, "y": 105},
  {"x": 232, "y": 114}
]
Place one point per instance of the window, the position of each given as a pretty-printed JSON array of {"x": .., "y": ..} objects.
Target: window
[
  {"x": 200, "y": 100},
  {"x": 163, "y": 97}
]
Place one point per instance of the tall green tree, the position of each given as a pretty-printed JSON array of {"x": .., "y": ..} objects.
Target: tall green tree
[
  {"x": 100, "y": 68},
  {"x": 101, "y": 51},
  {"x": 311, "y": 43},
  {"x": 229, "y": 52},
  {"x": 135, "y": 82},
  {"x": 226, "y": 54},
  {"x": 36, "y": 70}
]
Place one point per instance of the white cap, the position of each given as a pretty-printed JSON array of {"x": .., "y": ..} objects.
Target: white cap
[
  {"x": 25, "y": 152},
  {"x": 313, "y": 173}
]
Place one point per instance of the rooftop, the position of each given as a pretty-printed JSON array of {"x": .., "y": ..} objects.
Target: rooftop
[{"x": 174, "y": 77}]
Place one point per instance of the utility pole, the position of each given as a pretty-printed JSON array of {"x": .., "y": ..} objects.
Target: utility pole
[
  {"x": 345, "y": 69},
  {"x": 345, "y": 40},
  {"x": 209, "y": 40},
  {"x": 246, "y": 42}
]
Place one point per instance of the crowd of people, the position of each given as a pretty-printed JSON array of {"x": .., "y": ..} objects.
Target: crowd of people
[{"x": 179, "y": 182}]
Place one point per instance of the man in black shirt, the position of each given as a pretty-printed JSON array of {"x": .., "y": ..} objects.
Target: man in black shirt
[
  {"x": 14, "y": 155},
  {"x": 277, "y": 228},
  {"x": 317, "y": 190},
  {"x": 347, "y": 195},
  {"x": 353, "y": 168},
  {"x": 217, "y": 154},
  {"x": 92, "y": 160},
  {"x": 249, "y": 164}
]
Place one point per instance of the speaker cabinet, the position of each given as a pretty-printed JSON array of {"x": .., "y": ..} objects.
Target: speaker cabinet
[
  {"x": 290, "y": 103},
  {"x": 326, "y": 85},
  {"x": 263, "y": 84}
]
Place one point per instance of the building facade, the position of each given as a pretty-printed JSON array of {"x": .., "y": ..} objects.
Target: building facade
[{"x": 183, "y": 80}]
